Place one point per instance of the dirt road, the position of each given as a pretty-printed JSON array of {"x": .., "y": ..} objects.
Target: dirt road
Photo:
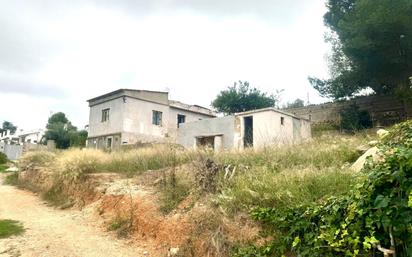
[{"x": 56, "y": 233}]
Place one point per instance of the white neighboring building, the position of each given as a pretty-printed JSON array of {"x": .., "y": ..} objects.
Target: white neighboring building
[
  {"x": 129, "y": 116},
  {"x": 31, "y": 136}
]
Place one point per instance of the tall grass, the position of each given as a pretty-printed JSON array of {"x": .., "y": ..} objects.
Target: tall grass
[{"x": 292, "y": 175}]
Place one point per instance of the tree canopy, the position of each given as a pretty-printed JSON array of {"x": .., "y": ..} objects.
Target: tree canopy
[
  {"x": 242, "y": 97},
  {"x": 371, "y": 47},
  {"x": 295, "y": 104},
  {"x": 64, "y": 134},
  {"x": 7, "y": 125}
]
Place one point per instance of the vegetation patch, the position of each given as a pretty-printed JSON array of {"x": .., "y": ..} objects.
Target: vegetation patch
[
  {"x": 375, "y": 212},
  {"x": 121, "y": 225},
  {"x": 12, "y": 179},
  {"x": 10, "y": 228},
  {"x": 3, "y": 168},
  {"x": 3, "y": 158},
  {"x": 173, "y": 190}
]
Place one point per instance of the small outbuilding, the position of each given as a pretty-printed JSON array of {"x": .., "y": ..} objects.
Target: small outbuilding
[{"x": 252, "y": 129}]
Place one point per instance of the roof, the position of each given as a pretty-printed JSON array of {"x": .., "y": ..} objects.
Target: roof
[
  {"x": 192, "y": 108},
  {"x": 123, "y": 90},
  {"x": 270, "y": 109}
]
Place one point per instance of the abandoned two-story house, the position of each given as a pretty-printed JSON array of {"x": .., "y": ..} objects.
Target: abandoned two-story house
[{"x": 128, "y": 116}]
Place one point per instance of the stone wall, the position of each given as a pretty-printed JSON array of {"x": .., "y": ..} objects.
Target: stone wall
[{"x": 384, "y": 110}]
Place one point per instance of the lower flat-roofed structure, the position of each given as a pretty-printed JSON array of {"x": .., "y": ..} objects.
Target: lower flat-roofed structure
[{"x": 252, "y": 129}]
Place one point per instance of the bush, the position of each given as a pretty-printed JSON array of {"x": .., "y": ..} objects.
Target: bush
[
  {"x": 36, "y": 159},
  {"x": 353, "y": 119},
  {"x": 12, "y": 179},
  {"x": 3, "y": 158},
  {"x": 377, "y": 209}
]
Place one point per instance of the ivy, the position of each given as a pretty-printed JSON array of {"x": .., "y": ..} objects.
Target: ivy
[{"x": 377, "y": 208}]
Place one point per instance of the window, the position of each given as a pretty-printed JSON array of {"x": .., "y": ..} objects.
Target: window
[
  {"x": 105, "y": 115},
  {"x": 157, "y": 118},
  {"x": 282, "y": 120},
  {"x": 180, "y": 119}
]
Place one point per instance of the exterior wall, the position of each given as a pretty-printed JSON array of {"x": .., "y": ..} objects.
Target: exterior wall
[
  {"x": 137, "y": 122},
  {"x": 267, "y": 129},
  {"x": 115, "y": 123},
  {"x": 13, "y": 152},
  {"x": 190, "y": 117},
  {"x": 224, "y": 126},
  {"x": 130, "y": 118},
  {"x": 384, "y": 110}
]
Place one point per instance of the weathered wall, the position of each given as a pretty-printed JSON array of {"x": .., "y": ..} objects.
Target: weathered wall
[
  {"x": 190, "y": 117},
  {"x": 188, "y": 132},
  {"x": 268, "y": 130},
  {"x": 13, "y": 152},
  {"x": 384, "y": 110},
  {"x": 115, "y": 123}
]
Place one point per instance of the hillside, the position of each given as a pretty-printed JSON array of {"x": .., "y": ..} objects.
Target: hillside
[{"x": 172, "y": 202}]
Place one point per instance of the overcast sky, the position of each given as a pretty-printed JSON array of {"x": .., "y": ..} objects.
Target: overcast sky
[{"x": 54, "y": 55}]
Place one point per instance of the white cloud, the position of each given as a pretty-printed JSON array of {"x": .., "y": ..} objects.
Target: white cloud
[{"x": 73, "y": 52}]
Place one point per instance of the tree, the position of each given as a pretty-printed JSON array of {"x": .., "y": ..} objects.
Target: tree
[
  {"x": 241, "y": 97},
  {"x": 371, "y": 47},
  {"x": 7, "y": 125},
  {"x": 60, "y": 129},
  {"x": 296, "y": 104}
]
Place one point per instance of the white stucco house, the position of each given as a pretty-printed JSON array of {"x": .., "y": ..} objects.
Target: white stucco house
[
  {"x": 252, "y": 129},
  {"x": 129, "y": 116}
]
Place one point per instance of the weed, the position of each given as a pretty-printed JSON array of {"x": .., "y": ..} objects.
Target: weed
[
  {"x": 56, "y": 197},
  {"x": 172, "y": 191},
  {"x": 3, "y": 158},
  {"x": 3, "y": 168},
  {"x": 10, "y": 228},
  {"x": 121, "y": 225},
  {"x": 12, "y": 179}
]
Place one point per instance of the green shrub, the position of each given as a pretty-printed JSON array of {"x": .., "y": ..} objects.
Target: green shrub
[
  {"x": 3, "y": 158},
  {"x": 3, "y": 168},
  {"x": 173, "y": 190},
  {"x": 376, "y": 209},
  {"x": 12, "y": 179},
  {"x": 353, "y": 119},
  {"x": 10, "y": 228}
]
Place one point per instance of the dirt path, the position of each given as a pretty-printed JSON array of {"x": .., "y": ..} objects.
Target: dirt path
[{"x": 56, "y": 233}]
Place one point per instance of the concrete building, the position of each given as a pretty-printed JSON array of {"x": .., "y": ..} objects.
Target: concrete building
[
  {"x": 128, "y": 116},
  {"x": 257, "y": 129}
]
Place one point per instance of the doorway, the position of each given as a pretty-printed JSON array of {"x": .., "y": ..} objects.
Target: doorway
[{"x": 248, "y": 131}]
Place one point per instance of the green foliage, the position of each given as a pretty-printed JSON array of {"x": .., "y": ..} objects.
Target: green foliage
[
  {"x": 12, "y": 179},
  {"x": 377, "y": 208},
  {"x": 7, "y": 125},
  {"x": 296, "y": 104},
  {"x": 353, "y": 119},
  {"x": 371, "y": 42},
  {"x": 10, "y": 228},
  {"x": 65, "y": 135},
  {"x": 3, "y": 158},
  {"x": 3, "y": 168},
  {"x": 241, "y": 97},
  {"x": 173, "y": 190},
  {"x": 290, "y": 175}
]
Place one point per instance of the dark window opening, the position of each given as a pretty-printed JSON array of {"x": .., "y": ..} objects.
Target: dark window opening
[
  {"x": 206, "y": 142},
  {"x": 157, "y": 118},
  {"x": 180, "y": 119},
  {"x": 109, "y": 143},
  {"x": 282, "y": 120},
  {"x": 105, "y": 115},
  {"x": 248, "y": 131}
]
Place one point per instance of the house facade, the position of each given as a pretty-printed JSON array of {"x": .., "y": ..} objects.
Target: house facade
[
  {"x": 253, "y": 129},
  {"x": 128, "y": 116}
]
